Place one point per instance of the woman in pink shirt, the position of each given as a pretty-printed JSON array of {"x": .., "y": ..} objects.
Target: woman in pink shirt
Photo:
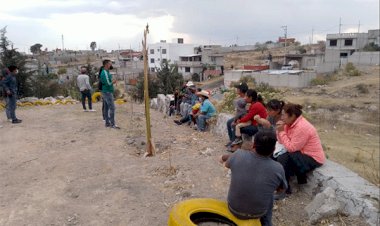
[{"x": 302, "y": 142}]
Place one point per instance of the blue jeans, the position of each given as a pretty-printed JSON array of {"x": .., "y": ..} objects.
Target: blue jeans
[
  {"x": 201, "y": 122},
  {"x": 109, "y": 108},
  {"x": 7, "y": 111},
  {"x": 11, "y": 107},
  {"x": 230, "y": 129},
  {"x": 265, "y": 220},
  {"x": 249, "y": 130},
  {"x": 86, "y": 93}
]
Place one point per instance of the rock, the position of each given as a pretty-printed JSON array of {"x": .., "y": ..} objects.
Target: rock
[
  {"x": 324, "y": 205},
  {"x": 161, "y": 106},
  {"x": 153, "y": 103},
  {"x": 130, "y": 141},
  {"x": 372, "y": 108}
]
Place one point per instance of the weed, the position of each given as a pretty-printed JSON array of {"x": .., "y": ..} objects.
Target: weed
[
  {"x": 351, "y": 70},
  {"x": 363, "y": 88}
]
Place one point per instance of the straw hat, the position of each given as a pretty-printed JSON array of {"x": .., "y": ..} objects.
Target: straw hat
[
  {"x": 204, "y": 93},
  {"x": 189, "y": 83}
]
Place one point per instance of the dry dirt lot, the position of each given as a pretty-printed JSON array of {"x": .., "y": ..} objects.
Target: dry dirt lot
[{"x": 61, "y": 166}]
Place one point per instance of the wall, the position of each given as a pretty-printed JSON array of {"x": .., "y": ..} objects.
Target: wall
[
  {"x": 365, "y": 58},
  {"x": 275, "y": 80}
]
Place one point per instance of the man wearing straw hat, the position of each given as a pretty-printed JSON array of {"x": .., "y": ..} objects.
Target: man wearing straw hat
[{"x": 207, "y": 110}]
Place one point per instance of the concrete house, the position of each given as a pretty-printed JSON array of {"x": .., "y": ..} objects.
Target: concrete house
[{"x": 168, "y": 51}]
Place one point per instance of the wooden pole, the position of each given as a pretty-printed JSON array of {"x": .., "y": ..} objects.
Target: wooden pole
[{"x": 150, "y": 150}]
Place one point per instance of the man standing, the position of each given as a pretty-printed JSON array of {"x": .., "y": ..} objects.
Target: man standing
[
  {"x": 107, "y": 93},
  {"x": 10, "y": 88},
  {"x": 83, "y": 81}
]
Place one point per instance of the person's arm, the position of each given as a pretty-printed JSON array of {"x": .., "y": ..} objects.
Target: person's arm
[
  {"x": 249, "y": 116},
  {"x": 294, "y": 143},
  {"x": 224, "y": 160},
  {"x": 6, "y": 83},
  {"x": 262, "y": 121},
  {"x": 88, "y": 83},
  {"x": 105, "y": 78}
]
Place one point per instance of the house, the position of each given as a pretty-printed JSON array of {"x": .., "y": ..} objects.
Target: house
[
  {"x": 168, "y": 51},
  {"x": 189, "y": 65}
]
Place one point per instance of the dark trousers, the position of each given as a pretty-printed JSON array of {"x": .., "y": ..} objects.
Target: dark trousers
[
  {"x": 265, "y": 220},
  {"x": 11, "y": 107},
  {"x": 109, "y": 108},
  {"x": 86, "y": 94},
  {"x": 297, "y": 164},
  {"x": 230, "y": 129},
  {"x": 250, "y": 130}
]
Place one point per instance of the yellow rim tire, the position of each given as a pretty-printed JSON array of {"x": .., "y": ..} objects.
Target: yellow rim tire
[
  {"x": 96, "y": 97},
  {"x": 183, "y": 212}
]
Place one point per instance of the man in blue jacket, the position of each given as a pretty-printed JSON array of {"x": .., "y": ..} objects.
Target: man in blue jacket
[{"x": 10, "y": 88}]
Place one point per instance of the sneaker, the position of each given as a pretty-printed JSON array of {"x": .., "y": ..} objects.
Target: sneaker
[
  {"x": 92, "y": 110},
  {"x": 178, "y": 122},
  {"x": 279, "y": 196},
  {"x": 228, "y": 144},
  {"x": 108, "y": 125},
  {"x": 16, "y": 121},
  {"x": 115, "y": 127},
  {"x": 1, "y": 126},
  {"x": 85, "y": 110},
  {"x": 195, "y": 127},
  {"x": 238, "y": 140},
  {"x": 9, "y": 120}
]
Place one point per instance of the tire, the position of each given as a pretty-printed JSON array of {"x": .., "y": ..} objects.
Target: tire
[
  {"x": 96, "y": 97},
  {"x": 193, "y": 211}
]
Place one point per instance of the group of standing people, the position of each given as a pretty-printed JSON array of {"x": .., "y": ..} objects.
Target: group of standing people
[
  {"x": 106, "y": 87},
  {"x": 285, "y": 145},
  {"x": 194, "y": 106},
  {"x": 8, "y": 82}
]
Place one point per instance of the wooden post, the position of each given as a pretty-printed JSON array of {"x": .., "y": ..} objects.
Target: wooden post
[{"x": 150, "y": 150}]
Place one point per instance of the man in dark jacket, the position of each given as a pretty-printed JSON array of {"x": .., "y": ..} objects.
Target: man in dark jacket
[{"x": 10, "y": 88}]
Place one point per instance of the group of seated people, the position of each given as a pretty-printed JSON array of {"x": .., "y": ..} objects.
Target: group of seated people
[
  {"x": 285, "y": 145},
  {"x": 194, "y": 106}
]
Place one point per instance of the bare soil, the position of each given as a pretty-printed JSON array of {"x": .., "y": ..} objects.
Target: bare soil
[{"x": 61, "y": 166}]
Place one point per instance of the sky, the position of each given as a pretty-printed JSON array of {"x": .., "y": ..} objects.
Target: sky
[{"x": 121, "y": 23}]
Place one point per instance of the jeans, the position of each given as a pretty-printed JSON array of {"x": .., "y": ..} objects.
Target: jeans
[
  {"x": 265, "y": 220},
  {"x": 201, "y": 122},
  {"x": 86, "y": 93},
  {"x": 249, "y": 130},
  {"x": 7, "y": 111},
  {"x": 11, "y": 107},
  {"x": 230, "y": 129},
  {"x": 109, "y": 108}
]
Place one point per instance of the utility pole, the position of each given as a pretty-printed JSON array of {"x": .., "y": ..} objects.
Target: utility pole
[
  {"x": 359, "y": 27},
  {"x": 286, "y": 34},
  {"x": 340, "y": 23},
  {"x": 150, "y": 150},
  {"x": 63, "y": 45},
  {"x": 312, "y": 35}
]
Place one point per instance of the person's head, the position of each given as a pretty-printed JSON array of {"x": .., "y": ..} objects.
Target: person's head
[
  {"x": 192, "y": 89},
  {"x": 274, "y": 107},
  {"x": 203, "y": 95},
  {"x": 290, "y": 113},
  {"x": 83, "y": 70},
  {"x": 107, "y": 64},
  {"x": 265, "y": 142},
  {"x": 251, "y": 96},
  {"x": 13, "y": 69},
  {"x": 241, "y": 88}
]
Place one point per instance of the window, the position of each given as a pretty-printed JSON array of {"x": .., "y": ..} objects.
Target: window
[
  {"x": 152, "y": 60},
  {"x": 348, "y": 42},
  {"x": 333, "y": 42},
  {"x": 343, "y": 55},
  {"x": 163, "y": 51},
  {"x": 187, "y": 69},
  {"x": 152, "y": 51}
]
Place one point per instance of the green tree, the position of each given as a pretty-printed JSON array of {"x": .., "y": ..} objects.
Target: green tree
[
  {"x": 137, "y": 92},
  {"x": 168, "y": 78},
  {"x": 10, "y": 56},
  {"x": 36, "y": 48},
  {"x": 93, "y": 46}
]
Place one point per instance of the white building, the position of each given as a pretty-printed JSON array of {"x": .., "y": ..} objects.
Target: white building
[{"x": 168, "y": 51}]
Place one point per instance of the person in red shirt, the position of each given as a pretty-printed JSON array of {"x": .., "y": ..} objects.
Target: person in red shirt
[
  {"x": 257, "y": 108},
  {"x": 301, "y": 140}
]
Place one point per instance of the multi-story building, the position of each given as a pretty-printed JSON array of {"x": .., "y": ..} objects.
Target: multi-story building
[
  {"x": 189, "y": 65},
  {"x": 167, "y": 51}
]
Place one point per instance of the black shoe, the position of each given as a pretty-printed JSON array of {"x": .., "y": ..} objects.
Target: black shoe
[
  {"x": 178, "y": 122},
  {"x": 228, "y": 144},
  {"x": 108, "y": 125},
  {"x": 238, "y": 140},
  {"x": 15, "y": 121},
  {"x": 115, "y": 127}
]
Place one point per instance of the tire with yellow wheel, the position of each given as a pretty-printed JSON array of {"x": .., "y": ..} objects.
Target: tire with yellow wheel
[
  {"x": 97, "y": 96},
  {"x": 194, "y": 211}
]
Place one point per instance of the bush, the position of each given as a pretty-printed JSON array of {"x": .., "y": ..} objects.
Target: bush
[
  {"x": 351, "y": 70},
  {"x": 363, "y": 88}
]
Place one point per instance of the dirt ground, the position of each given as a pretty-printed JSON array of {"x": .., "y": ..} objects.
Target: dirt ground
[{"x": 61, "y": 166}]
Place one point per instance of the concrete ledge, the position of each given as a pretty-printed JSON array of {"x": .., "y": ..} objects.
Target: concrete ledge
[{"x": 357, "y": 196}]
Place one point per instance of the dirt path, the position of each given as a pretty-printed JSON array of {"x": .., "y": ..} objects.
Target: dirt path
[{"x": 61, "y": 166}]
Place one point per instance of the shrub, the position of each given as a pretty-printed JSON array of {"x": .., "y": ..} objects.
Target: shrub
[
  {"x": 363, "y": 88},
  {"x": 351, "y": 70}
]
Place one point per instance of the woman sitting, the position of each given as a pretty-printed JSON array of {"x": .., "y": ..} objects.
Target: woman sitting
[
  {"x": 302, "y": 142},
  {"x": 257, "y": 108}
]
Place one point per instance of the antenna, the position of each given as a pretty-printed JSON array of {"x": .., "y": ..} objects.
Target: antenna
[
  {"x": 359, "y": 27},
  {"x": 340, "y": 23}
]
